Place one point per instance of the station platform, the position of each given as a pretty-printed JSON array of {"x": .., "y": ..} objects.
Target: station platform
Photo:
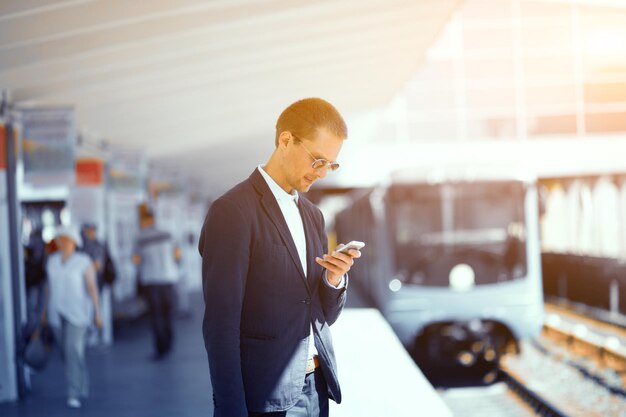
[{"x": 377, "y": 376}]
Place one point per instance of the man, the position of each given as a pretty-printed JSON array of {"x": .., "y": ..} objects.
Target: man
[
  {"x": 95, "y": 249},
  {"x": 35, "y": 274},
  {"x": 155, "y": 254},
  {"x": 105, "y": 275},
  {"x": 271, "y": 289}
]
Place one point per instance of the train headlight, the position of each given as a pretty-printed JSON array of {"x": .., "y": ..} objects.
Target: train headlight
[
  {"x": 395, "y": 285},
  {"x": 462, "y": 278}
]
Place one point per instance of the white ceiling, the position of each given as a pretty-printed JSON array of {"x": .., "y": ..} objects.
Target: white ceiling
[{"x": 199, "y": 84}]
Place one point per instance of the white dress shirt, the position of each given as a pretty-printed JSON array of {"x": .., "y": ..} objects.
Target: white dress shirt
[{"x": 288, "y": 204}]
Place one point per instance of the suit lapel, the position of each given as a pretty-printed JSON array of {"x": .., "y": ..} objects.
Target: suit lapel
[
  {"x": 310, "y": 234},
  {"x": 270, "y": 205}
]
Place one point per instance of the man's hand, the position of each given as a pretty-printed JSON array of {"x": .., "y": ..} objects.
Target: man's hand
[
  {"x": 98, "y": 321},
  {"x": 337, "y": 264}
]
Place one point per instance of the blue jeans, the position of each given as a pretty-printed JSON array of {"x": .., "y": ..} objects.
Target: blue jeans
[
  {"x": 312, "y": 403},
  {"x": 71, "y": 339}
]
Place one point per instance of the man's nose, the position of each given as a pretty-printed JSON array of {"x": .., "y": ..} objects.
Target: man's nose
[{"x": 321, "y": 173}]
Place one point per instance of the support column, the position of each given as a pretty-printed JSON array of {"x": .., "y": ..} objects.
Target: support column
[{"x": 15, "y": 248}]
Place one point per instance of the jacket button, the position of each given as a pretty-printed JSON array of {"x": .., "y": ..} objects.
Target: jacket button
[{"x": 306, "y": 301}]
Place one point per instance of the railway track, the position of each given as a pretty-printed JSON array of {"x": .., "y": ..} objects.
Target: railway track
[
  {"x": 594, "y": 347},
  {"x": 576, "y": 368},
  {"x": 536, "y": 384},
  {"x": 517, "y": 394},
  {"x": 497, "y": 400},
  {"x": 537, "y": 401}
]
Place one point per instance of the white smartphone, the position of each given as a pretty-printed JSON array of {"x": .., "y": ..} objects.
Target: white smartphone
[{"x": 354, "y": 244}]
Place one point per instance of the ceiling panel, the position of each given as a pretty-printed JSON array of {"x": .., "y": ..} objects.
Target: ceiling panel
[{"x": 178, "y": 78}]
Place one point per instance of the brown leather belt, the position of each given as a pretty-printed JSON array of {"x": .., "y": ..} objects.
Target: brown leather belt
[{"x": 312, "y": 363}]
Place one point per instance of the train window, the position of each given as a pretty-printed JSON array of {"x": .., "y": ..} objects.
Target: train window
[
  {"x": 439, "y": 226},
  {"x": 412, "y": 223}
]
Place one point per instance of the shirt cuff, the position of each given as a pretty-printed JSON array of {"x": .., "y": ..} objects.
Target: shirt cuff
[{"x": 341, "y": 284}]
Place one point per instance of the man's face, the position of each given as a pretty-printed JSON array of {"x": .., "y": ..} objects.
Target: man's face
[
  {"x": 299, "y": 174},
  {"x": 146, "y": 222},
  {"x": 65, "y": 244},
  {"x": 90, "y": 232}
]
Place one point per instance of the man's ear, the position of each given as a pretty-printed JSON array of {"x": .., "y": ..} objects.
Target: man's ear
[{"x": 284, "y": 138}]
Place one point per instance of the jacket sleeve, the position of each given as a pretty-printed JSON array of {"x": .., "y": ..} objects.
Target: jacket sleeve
[
  {"x": 224, "y": 246},
  {"x": 333, "y": 299}
]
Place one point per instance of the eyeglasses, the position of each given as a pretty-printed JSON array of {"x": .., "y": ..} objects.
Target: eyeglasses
[{"x": 318, "y": 163}]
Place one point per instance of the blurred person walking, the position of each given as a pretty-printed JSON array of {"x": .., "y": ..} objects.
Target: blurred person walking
[
  {"x": 99, "y": 254},
  {"x": 72, "y": 302},
  {"x": 271, "y": 288},
  {"x": 156, "y": 256},
  {"x": 105, "y": 276},
  {"x": 35, "y": 274}
]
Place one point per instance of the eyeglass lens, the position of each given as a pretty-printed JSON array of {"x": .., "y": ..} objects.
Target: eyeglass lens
[{"x": 320, "y": 163}]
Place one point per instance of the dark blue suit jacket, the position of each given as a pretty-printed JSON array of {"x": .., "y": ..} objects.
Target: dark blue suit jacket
[{"x": 259, "y": 305}]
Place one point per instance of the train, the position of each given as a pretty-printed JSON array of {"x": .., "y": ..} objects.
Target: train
[{"x": 452, "y": 261}]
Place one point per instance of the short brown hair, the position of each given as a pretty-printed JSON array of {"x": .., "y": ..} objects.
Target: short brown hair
[
  {"x": 145, "y": 212},
  {"x": 305, "y": 116}
]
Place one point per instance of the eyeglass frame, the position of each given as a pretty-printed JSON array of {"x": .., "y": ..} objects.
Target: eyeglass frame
[{"x": 332, "y": 165}]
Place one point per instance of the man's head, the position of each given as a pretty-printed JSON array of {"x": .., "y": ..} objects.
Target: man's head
[
  {"x": 67, "y": 239},
  {"x": 146, "y": 216},
  {"x": 307, "y": 131},
  {"x": 305, "y": 116},
  {"x": 89, "y": 229}
]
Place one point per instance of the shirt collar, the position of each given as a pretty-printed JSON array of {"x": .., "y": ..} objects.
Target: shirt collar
[{"x": 279, "y": 193}]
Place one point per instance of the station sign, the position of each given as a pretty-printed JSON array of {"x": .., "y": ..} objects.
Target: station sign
[
  {"x": 48, "y": 142},
  {"x": 86, "y": 200},
  {"x": 3, "y": 146},
  {"x": 126, "y": 170},
  {"x": 89, "y": 171}
]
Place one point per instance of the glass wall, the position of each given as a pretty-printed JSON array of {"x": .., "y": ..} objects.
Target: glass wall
[{"x": 521, "y": 69}]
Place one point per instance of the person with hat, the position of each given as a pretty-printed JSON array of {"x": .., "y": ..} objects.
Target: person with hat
[{"x": 72, "y": 305}]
